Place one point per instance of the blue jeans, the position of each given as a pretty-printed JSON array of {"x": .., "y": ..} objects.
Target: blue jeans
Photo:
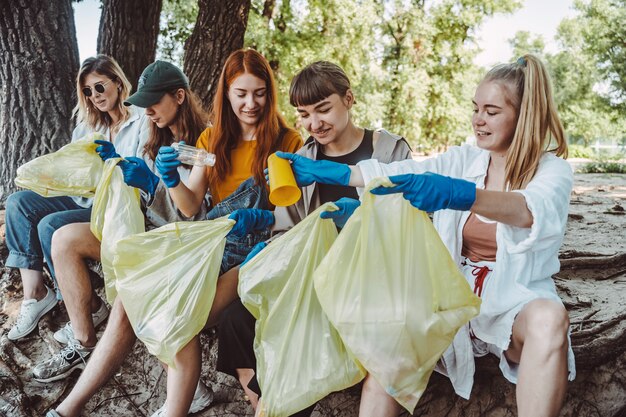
[
  {"x": 247, "y": 195},
  {"x": 31, "y": 220}
]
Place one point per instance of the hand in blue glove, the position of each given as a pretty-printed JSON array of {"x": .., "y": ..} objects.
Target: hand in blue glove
[
  {"x": 346, "y": 208},
  {"x": 138, "y": 175},
  {"x": 249, "y": 220},
  {"x": 256, "y": 249},
  {"x": 307, "y": 171},
  {"x": 432, "y": 192},
  {"x": 167, "y": 165},
  {"x": 106, "y": 150}
]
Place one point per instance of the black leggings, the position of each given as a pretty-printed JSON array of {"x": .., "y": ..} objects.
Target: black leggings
[{"x": 235, "y": 346}]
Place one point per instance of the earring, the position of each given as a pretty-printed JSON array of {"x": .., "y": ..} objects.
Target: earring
[{"x": 119, "y": 88}]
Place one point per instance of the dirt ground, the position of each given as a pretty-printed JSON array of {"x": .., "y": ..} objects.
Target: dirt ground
[{"x": 592, "y": 284}]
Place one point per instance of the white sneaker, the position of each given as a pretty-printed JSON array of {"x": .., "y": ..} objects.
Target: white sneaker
[
  {"x": 31, "y": 312},
  {"x": 202, "y": 398},
  {"x": 66, "y": 333},
  {"x": 62, "y": 364}
]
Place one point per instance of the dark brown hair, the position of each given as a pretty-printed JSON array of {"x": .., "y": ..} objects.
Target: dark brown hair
[
  {"x": 191, "y": 121},
  {"x": 317, "y": 81}
]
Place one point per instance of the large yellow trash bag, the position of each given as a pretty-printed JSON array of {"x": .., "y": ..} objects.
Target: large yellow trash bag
[
  {"x": 394, "y": 294},
  {"x": 73, "y": 170},
  {"x": 166, "y": 279},
  {"x": 300, "y": 357},
  {"x": 116, "y": 213}
]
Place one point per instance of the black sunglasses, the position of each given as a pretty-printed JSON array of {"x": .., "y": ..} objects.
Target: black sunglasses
[{"x": 99, "y": 87}]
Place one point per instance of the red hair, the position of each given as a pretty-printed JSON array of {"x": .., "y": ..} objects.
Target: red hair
[{"x": 226, "y": 130}]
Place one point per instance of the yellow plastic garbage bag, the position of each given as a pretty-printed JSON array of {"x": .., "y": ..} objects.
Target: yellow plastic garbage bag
[
  {"x": 394, "y": 294},
  {"x": 166, "y": 279},
  {"x": 116, "y": 213},
  {"x": 300, "y": 357},
  {"x": 73, "y": 170}
]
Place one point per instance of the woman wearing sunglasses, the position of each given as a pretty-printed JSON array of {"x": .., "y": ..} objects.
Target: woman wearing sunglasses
[{"x": 31, "y": 219}]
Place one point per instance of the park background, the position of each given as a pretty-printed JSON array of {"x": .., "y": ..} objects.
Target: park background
[{"x": 414, "y": 65}]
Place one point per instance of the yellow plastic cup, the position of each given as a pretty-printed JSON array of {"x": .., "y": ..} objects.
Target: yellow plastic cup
[{"x": 283, "y": 188}]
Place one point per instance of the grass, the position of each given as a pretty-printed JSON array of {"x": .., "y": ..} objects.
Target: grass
[{"x": 603, "y": 167}]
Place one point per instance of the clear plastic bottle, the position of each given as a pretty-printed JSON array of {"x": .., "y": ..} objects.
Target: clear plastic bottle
[{"x": 191, "y": 155}]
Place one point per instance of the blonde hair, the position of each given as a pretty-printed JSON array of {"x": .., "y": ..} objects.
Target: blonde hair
[
  {"x": 538, "y": 123},
  {"x": 85, "y": 111}
]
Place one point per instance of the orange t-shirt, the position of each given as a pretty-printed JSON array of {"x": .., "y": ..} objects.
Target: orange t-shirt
[
  {"x": 479, "y": 240},
  {"x": 242, "y": 159}
]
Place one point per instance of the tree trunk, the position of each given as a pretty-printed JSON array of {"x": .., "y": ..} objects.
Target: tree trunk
[
  {"x": 219, "y": 30},
  {"x": 38, "y": 66},
  {"x": 128, "y": 32}
]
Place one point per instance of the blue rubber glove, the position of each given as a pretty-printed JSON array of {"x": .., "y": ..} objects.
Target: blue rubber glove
[
  {"x": 307, "y": 171},
  {"x": 106, "y": 150},
  {"x": 256, "y": 249},
  {"x": 138, "y": 175},
  {"x": 346, "y": 208},
  {"x": 432, "y": 192},
  {"x": 167, "y": 165},
  {"x": 249, "y": 220}
]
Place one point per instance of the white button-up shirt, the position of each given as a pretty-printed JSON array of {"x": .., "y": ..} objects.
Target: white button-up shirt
[
  {"x": 129, "y": 141},
  {"x": 526, "y": 258}
]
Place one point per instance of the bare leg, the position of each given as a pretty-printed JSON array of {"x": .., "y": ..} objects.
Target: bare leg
[
  {"x": 245, "y": 375},
  {"x": 182, "y": 379},
  {"x": 225, "y": 293},
  {"x": 376, "y": 402},
  {"x": 539, "y": 345},
  {"x": 34, "y": 287},
  {"x": 114, "y": 346},
  {"x": 72, "y": 245}
]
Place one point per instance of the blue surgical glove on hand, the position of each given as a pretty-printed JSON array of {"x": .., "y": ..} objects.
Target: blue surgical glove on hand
[
  {"x": 256, "y": 249},
  {"x": 307, "y": 171},
  {"x": 138, "y": 175},
  {"x": 106, "y": 150},
  {"x": 346, "y": 208},
  {"x": 432, "y": 192},
  {"x": 249, "y": 220},
  {"x": 167, "y": 165}
]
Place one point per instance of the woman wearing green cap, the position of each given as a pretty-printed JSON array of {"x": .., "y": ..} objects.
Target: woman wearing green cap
[{"x": 31, "y": 219}]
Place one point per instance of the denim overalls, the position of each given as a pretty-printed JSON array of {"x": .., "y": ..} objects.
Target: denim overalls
[{"x": 247, "y": 195}]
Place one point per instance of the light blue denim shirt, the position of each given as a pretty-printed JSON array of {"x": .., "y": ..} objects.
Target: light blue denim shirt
[{"x": 129, "y": 141}]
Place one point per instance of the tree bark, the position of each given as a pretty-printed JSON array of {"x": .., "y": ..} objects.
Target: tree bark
[
  {"x": 128, "y": 32},
  {"x": 38, "y": 66},
  {"x": 219, "y": 30}
]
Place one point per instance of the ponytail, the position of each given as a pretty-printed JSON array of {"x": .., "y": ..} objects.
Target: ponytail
[{"x": 538, "y": 124}]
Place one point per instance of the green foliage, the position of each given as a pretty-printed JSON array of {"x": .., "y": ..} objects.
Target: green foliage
[
  {"x": 604, "y": 168},
  {"x": 410, "y": 65},
  {"x": 178, "y": 18},
  {"x": 410, "y": 61},
  {"x": 587, "y": 115},
  {"x": 295, "y": 34},
  {"x": 525, "y": 43},
  {"x": 578, "y": 151},
  {"x": 579, "y": 83},
  {"x": 603, "y": 29}
]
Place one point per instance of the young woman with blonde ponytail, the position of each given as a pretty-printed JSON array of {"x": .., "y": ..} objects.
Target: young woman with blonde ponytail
[{"x": 501, "y": 208}]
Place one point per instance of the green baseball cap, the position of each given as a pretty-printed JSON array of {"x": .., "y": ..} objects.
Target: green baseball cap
[{"x": 157, "y": 79}]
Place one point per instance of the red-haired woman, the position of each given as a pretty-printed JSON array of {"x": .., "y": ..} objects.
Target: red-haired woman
[{"x": 247, "y": 128}]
